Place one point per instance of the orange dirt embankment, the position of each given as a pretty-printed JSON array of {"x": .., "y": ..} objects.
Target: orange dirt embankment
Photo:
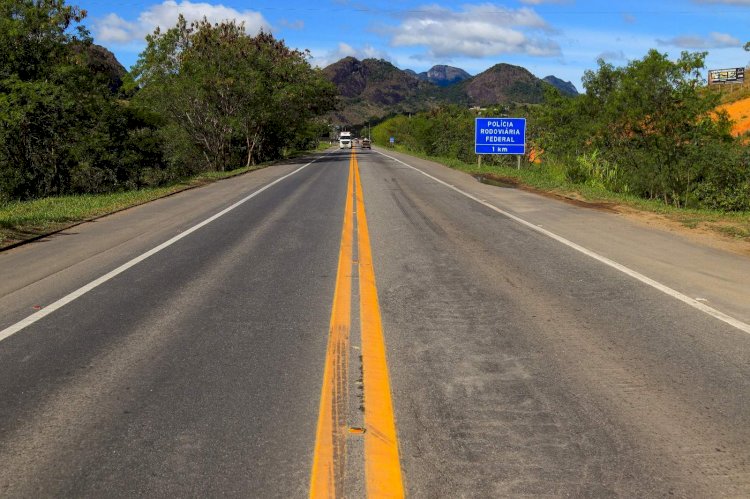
[{"x": 739, "y": 111}]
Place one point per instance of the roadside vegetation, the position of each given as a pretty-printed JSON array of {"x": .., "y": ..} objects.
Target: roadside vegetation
[
  {"x": 649, "y": 134},
  {"x": 26, "y": 220},
  {"x": 202, "y": 98},
  {"x": 229, "y": 99}
]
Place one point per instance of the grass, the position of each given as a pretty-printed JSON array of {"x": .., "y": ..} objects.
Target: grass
[
  {"x": 322, "y": 146},
  {"x": 734, "y": 92},
  {"x": 550, "y": 178},
  {"x": 25, "y": 220}
]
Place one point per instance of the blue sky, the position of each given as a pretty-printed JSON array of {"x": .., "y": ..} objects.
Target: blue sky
[{"x": 560, "y": 37}]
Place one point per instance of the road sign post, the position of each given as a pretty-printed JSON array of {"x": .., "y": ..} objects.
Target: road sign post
[{"x": 500, "y": 136}]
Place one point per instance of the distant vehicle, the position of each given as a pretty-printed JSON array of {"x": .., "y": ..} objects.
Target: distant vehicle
[
  {"x": 345, "y": 140},
  {"x": 366, "y": 143}
]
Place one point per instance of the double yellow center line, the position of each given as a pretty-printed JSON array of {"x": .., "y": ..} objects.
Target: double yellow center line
[{"x": 382, "y": 466}]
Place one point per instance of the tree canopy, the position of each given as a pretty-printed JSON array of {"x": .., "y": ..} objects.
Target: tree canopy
[
  {"x": 230, "y": 96},
  {"x": 652, "y": 129},
  {"x": 62, "y": 130},
  {"x": 202, "y": 97}
]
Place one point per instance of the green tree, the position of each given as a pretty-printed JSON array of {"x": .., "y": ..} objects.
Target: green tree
[
  {"x": 61, "y": 128},
  {"x": 652, "y": 123},
  {"x": 35, "y": 35},
  {"x": 38, "y": 76},
  {"x": 227, "y": 96}
]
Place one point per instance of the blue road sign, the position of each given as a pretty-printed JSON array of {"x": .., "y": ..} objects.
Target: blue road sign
[
  {"x": 393, "y": 139},
  {"x": 500, "y": 136}
]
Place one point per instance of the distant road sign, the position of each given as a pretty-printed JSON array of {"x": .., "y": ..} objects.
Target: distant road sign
[
  {"x": 500, "y": 136},
  {"x": 393, "y": 139},
  {"x": 721, "y": 76}
]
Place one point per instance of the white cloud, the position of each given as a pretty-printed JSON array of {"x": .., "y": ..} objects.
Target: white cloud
[
  {"x": 475, "y": 31},
  {"x": 713, "y": 41},
  {"x": 112, "y": 28},
  {"x": 612, "y": 55},
  {"x": 343, "y": 50},
  {"x": 295, "y": 25}
]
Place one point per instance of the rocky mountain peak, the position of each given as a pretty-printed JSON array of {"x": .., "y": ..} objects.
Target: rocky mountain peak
[{"x": 443, "y": 76}]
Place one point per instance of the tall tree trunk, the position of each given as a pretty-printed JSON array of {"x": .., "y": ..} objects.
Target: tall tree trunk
[
  {"x": 251, "y": 144},
  {"x": 249, "y": 151}
]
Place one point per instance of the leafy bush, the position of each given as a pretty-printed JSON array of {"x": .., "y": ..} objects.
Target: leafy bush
[
  {"x": 727, "y": 185},
  {"x": 656, "y": 121},
  {"x": 229, "y": 98},
  {"x": 62, "y": 129},
  {"x": 591, "y": 169}
]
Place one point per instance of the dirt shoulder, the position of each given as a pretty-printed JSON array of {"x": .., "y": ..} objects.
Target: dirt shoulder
[
  {"x": 704, "y": 232},
  {"x": 716, "y": 231}
]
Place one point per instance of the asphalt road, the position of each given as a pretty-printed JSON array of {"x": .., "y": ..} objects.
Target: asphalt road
[{"x": 518, "y": 364}]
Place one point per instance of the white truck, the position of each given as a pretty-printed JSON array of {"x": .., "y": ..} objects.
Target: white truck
[{"x": 345, "y": 140}]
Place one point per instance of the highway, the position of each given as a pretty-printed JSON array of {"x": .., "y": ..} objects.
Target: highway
[{"x": 371, "y": 324}]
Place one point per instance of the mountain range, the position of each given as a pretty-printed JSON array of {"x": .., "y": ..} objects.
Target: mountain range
[{"x": 373, "y": 88}]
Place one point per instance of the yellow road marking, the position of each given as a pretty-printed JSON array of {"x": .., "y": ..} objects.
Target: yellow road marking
[
  {"x": 382, "y": 466},
  {"x": 329, "y": 459}
]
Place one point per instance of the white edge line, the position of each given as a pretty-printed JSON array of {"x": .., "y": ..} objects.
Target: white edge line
[
  {"x": 36, "y": 316},
  {"x": 742, "y": 326}
]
